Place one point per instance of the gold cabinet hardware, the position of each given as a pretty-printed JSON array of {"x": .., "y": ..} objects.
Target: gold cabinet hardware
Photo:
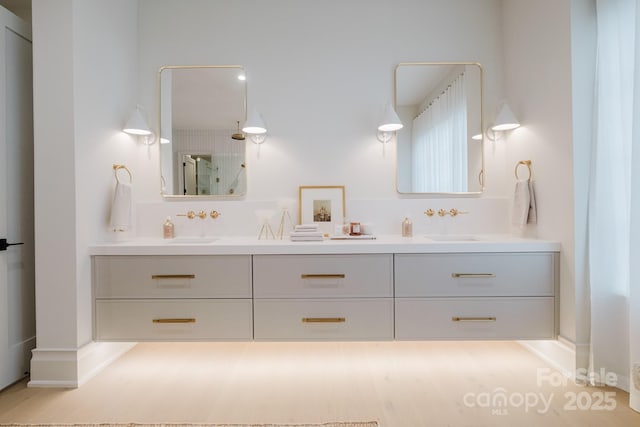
[
  {"x": 441, "y": 212},
  {"x": 324, "y": 319},
  {"x": 190, "y": 214},
  {"x": 173, "y": 276},
  {"x": 473, "y": 319},
  {"x": 322, "y": 276},
  {"x": 472, "y": 275},
  {"x": 175, "y": 320},
  {"x": 202, "y": 214},
  {"x": 214, "y": 214},
  {"x": 429, "y": 213}
]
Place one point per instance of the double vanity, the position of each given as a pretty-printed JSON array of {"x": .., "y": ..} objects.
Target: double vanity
[{"x": 420, "y": 288}]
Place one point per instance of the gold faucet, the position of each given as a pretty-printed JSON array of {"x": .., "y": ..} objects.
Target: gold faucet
[
  {"x": 442, "y": 213},
  {"x": 202, "y": 214},
  {"x": 190, "y": 214},
  {"x": 456, "y": 212}
]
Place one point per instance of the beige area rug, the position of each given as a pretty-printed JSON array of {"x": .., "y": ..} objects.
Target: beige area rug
[{"x": 337, "y": 424}]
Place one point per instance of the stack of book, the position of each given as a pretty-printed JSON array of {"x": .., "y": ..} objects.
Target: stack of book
[{"x": 306, "y": 233}]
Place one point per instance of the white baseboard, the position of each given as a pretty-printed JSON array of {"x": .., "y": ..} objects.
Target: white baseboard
[
  {"x": 560, "y": 354},
  {"x": 70, "y": 368},
  {"x": 563, "y": 355}
]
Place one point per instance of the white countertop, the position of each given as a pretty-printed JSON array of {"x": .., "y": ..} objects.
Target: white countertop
[{"x": 381, "y": 244}]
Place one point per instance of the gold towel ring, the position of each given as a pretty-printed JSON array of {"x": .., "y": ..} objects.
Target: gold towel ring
[
  {"x": 527, "y": 163},
  {"x": 116, "y": 167}
]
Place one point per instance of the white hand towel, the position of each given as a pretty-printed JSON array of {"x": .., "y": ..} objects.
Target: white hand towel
[
  {"x": 533, "y": 213},
  {"x": 121, "y": 208},
  {"x": 521, "y": 203}
]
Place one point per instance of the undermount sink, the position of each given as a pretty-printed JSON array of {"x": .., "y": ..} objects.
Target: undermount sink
[
  {"x": 452, "y": 238},
  {"x": 191, "y": 240}
]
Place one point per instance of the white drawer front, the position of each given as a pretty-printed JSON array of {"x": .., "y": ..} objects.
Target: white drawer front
[
  {"x": 478, "y": 274},
  {"x": 172, "y": 276},
  {"x": 324, "y": 319},
  {"x": 330, "y": 276},
  {"x": 164, "y": 320},
  {"x": 466, "y": 318}
]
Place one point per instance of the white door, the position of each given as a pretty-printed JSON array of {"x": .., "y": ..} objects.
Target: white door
[
  {"x": 189, "y": 175},
  {"x": 17, "y": 283}
]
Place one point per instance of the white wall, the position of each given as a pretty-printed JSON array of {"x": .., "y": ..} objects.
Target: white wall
[
  {"x": 320, "y": 73},
  {"x": 538, "y": 78},
  {"x": 583, "y": 51},
  {"x": 84, "y": 85}
]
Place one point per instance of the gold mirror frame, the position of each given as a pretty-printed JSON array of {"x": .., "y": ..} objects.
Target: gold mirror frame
[
  {"x": 482, "y": 171},
  {"x": 231, "y": 172}
]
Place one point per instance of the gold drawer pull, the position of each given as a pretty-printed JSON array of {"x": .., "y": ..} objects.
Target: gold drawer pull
[
  {"x": 322, "y": 276},
  {"x": 173, "y": 276},
  {"x": 324, "y": 319},
  {"x": 474, "y": 319},
  {"x": 175, "y": 320},
  {"x": 472, "y": 275}
]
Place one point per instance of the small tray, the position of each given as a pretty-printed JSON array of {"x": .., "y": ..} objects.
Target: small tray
[{"x": 346, "y": 237}]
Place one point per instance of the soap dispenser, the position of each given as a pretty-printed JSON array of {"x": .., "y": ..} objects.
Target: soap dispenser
[
  {"x": 407, "y": 228},
  {"x": 167, "y": 229}
]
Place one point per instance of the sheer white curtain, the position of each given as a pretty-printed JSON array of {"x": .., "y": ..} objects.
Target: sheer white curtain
[
  {"x": 439, "y": 143},
  {"x": 634, "y": 318},
  {"x": 613, "y": 279}
]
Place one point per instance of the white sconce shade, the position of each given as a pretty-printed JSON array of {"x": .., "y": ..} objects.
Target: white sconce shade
[
  {"x": 255, "y": 127},
  {"x": 505, "y": 120},
  {"x": 390, "y": 120},
  {"x": 137, "y": 124},
  {"x": 390, "y": 123}
]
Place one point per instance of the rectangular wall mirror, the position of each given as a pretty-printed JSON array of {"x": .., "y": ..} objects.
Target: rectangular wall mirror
[
  {"x": 202, "y": 150},
  {"x": 440, "y": 147}
]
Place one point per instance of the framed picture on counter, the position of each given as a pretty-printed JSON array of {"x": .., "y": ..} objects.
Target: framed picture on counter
[{"x": 322, "y": 205}]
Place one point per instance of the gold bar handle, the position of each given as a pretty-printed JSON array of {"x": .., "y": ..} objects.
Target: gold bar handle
[
  {"x": 474, "y": 319},
  {"x": 175, "y": 320},
  {"x": 322, "y": 276},
  {"x": 173, "y": 276},
  {"x": 472, "y": 275},
  {"x": 324, "y": 319}
]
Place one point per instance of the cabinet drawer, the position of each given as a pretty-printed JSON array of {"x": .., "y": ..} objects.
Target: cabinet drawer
[
  {"x": 183, "y": 320},
  {"x": 466, "y": 318},
  {"x": 478, "y": 274},
  {"x": 330, "y": 276},
  {"x": 172, "y": 276},
  {"x": 324, "y": 319}
]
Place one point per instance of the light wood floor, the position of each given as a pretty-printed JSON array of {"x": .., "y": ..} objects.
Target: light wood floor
[{"x": 400, "y": 384}]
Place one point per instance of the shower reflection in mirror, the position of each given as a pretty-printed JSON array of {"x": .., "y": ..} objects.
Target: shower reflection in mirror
[{"x": 203, "y": 150}]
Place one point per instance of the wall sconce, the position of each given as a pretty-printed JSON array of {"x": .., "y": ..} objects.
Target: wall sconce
[
  {"x": 137, "y": 126},
  {"x": 389, "y": 124},
  {"x": 255, "y": 128},
  {"x": 505, "y": 120}
]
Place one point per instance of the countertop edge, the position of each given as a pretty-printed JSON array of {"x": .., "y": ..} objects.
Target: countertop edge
[{"x": 383, "y": 244}]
